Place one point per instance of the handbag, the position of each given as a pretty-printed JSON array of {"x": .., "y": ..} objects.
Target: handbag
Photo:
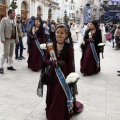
[
  {"x": 46, "y": 78},
  {"x": 46, "y": 75}
]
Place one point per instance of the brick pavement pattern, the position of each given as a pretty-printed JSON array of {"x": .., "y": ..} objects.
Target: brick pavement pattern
[{"x": 99, "y": 93}]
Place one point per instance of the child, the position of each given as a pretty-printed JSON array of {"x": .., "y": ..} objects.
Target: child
[{"x": 56, "y": 99}]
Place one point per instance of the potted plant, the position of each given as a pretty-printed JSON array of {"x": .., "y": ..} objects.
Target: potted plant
[{"x": 13, "y": 5}]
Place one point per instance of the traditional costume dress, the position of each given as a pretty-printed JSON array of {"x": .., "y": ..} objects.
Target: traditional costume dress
[
  {"x": 35, "y": 58},
  {"x": 103, "y": 34},
  {"x": 56, "y": 106},
  {"x": 88, "y": 61}
]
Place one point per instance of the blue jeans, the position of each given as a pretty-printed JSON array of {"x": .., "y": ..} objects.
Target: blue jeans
[
  {"x": 47, "y": 37},
  {"x": 19, "y": 45}
]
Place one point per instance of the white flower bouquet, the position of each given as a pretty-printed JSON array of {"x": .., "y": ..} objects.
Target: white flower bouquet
[
  {"x": 43, "y": 46},
  {"x": 101, "y": 46},
  {"x": 72, "y": 78}
]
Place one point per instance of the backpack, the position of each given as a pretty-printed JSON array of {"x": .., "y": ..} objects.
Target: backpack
[{"x": 29, "y": 27}]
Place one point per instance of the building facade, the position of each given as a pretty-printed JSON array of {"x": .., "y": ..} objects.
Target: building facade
[
  {"x": 69, "y": 7},
  {"x": 28, "y": 8}
]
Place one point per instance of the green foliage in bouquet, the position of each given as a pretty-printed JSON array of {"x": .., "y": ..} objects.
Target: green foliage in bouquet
[{"x": 13, "y": 5}]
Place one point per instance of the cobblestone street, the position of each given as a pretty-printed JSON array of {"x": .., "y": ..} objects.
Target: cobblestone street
[{"x": 99, "y": 93}]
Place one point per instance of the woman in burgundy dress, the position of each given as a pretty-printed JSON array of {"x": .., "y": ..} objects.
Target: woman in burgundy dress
[
  {"x": 88, "y": 62},
  {"x": 35, "y": 58},
  {"x": 56, "y": 99}
]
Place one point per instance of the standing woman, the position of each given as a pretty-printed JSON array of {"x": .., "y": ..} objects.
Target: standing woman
[
  {"x": 56, "y": 99},
  {"x": 73, "y": 32},
  {"x": 88, "y": 61},
  {"x": 102, "y": 28},
  {"x": 35, "y": 58}
]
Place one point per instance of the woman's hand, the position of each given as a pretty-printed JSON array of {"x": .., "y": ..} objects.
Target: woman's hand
[
  {"x": 61, "y": 63},
  {"x": 91, "y": 40},
  {"x": 53, "y": 64}
]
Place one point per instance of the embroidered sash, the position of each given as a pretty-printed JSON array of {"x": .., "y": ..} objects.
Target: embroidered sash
[
  {"x": 40, "y": 84},
  {"x": 38, "y": 45},
  {"x": 94, "y": 50},
  {"x": 65, "y": 87},
  {"x": 95, "y": 54}
]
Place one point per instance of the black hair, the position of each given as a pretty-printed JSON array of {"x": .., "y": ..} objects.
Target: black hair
[
  {"x": 40, "y": 20},
  {"x": 32, "y": 17},
  {"x": 95, "y": 23},
  {"x": 10, "y": 11},
  {"x": 41, "y": 25}
]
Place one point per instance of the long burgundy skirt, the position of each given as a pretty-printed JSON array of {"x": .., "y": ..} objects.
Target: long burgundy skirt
[
  {"x": 88, "y": 63},
  {"x": 35, "y": 58}
]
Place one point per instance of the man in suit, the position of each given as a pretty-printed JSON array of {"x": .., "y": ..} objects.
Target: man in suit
[{"x": 9, "y": 36}]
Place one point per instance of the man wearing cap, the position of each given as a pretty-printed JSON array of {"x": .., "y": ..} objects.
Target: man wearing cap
[
  {"x": 8, "y": 36},
  {"x": 21, "y": 34}
]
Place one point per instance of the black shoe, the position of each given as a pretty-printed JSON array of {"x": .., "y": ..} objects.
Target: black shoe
[
  {"x": 22, "y": 57},
  {"x": 11, "y": 68},
  {"x": 18, "y": 58},
  {"x": 118, "y": 71},
  {"x": 118, "y": 74},
  {"x": 2, "y": 70}
]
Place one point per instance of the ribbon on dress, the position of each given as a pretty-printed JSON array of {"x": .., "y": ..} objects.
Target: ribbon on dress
[
  {"x": 95, "y": 54},
  {"x": 65, "y": 87},
  {"x": 38, "y": 45},
  {"x": 94, "y": 50},
  {"x": 40, "y": 84}
]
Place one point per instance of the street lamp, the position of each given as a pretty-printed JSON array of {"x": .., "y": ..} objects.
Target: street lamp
[
  {"x": 65, "y": 17},
  {"x": 74, "y": 19}
]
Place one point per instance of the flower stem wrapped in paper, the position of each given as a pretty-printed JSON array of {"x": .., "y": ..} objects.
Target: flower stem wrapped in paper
[
  {"x": 101, "y": 46},
  {"x": 50, "y": 48}
]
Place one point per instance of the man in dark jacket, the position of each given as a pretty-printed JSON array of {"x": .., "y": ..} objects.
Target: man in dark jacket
[{"x": 29, "y": 26}]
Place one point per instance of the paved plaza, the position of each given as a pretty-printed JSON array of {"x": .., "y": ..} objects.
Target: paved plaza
[{"x": 99, "y": 93}]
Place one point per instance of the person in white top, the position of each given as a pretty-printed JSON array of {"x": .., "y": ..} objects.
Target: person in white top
[
  {"x": 47, "y": 33},
  {"x": 103, "y": 33},
  {"x": 73, "y": 32}
]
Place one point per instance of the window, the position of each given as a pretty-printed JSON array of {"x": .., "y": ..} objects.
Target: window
[
  {"x": 73, "y": 15},
  {"x": 2, "y": 1},
  {"x": 73, "y": 7},
  {"x": 71, "y": 1},
  {"x": 90, "y": 1},
  {"x": 24, "y": 6}
]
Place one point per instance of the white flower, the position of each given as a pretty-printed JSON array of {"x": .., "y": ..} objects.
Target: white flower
[
  {"x": 72, "y": 77},
  {"x": 101, "y": 44},
  {"x": 43, "y": 46}
]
